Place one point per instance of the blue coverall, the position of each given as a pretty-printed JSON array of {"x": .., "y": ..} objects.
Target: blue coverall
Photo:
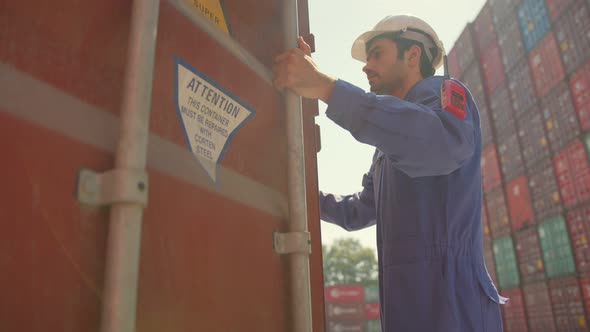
[{"x": 423, "y": 191}]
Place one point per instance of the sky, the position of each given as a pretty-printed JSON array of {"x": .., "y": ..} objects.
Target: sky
[{"x": 335, "y": 25}]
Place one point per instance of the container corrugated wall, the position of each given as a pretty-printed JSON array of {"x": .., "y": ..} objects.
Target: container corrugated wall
[{"x": 535, "y": 120}]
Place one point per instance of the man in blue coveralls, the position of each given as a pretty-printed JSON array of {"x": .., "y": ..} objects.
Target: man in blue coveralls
[{"x": 423, "y": 189}]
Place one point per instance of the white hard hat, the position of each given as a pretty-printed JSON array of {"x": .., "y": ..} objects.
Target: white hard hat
[{"x": 410, "y": 27}]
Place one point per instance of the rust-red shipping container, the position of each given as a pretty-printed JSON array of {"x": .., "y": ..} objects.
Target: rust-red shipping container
[
  {"x": 345, "y": 311},
  {"x": 501, "y": 113},
  {"x": 546, "y": 67},
  {"x": 556, "y": 7},
  {"x": 492, "y": 68},
  {"x": 497, "y": 212},
  {"x": 561, "y": 122},
  {"x": 465, "y": 49},
  {"x": 472, "y": 80},
  {"x": 544, "y": 190},
  {"x": 528, "y": 252},
  {"x": 568, "y": 305},
  {"x": 532, "y": 138},
  {"x": 490, "y": 170},
  {"x": 513, "y": 313},
  {"x": 578, "y": 222},
  {"x": 372, "y": 311},
  {"x": 206, "y": 257},
  {"x": 519, "y": 202},
  {"x": 572, "y": 31},
  {"x": 538, "y": 307},
  {"x": 580, "y": 89},
  {"x": 344, "y": 294},
  {"x": 510, "y": 157},
  {"x": 483, "y": 29},
  {"x": 485, "y": 224},
  {"x": 510, "y": 42},
  {"x": 522, "y": 87}
]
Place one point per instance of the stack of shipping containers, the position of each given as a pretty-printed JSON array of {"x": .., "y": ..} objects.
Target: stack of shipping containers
[
  {"x": 352, "y": 308},
  {"x": 527, "y": 64}
]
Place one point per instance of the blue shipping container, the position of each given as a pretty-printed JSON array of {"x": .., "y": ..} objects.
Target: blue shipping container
[{"x": 533, "y": 20}]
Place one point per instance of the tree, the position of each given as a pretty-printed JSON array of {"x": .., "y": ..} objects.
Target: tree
[{"x": 346, "y": 261}]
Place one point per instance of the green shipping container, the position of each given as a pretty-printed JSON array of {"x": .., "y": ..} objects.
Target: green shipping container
[
  {"x": 371, "y": 294},
  {"x": 587, "y": 144},
  {"x": 555, "y": 245},
  {"x": 506, "y": 267},
  {"x": 373, "y": 326}
]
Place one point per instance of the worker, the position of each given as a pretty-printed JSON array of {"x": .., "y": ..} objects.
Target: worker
[{"x": 423, "y": 189}]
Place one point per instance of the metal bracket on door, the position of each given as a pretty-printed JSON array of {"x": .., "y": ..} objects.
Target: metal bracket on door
[
  {"x": 114, "y": 186},
  {"x": 289, "y": 243}
]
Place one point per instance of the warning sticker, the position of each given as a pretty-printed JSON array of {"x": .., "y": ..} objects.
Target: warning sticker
[
  {"x": 213, "y": 10},
  {"x": 209, "y": 115}
]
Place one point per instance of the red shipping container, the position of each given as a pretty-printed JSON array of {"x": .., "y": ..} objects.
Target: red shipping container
[
  {"x": 483, "y": 29},
  {"x": 344, "y": 294},
  {"x": 473, "y": 81},
  {"x": 580, "y": 166},
  {"x": 572, "y": 31},
  {"x": 502, "y": 9},
  {"x": 501, "y": 112},
  {"x": 347, "y": 312},
  {"x": 544, "y": 190},
  {"x": 465, "y": 49},
  {"x": 497, "y": 212},
  {"x": 513, "y": 313},
  {"x": 568, "y": 305},
  {"x": 531, "y": 134},
  {"x": 530, "y": 258},
  {"x": 337, "y": 326},
  {"x": 580, "y": 89},
  {"x": 560, "y": 118},
  {"x": 519, "y": 202},
  {"x": 492, "y": 68},
  {"x": 511, "y": 162},
  {"x": 556, "y": 7},
  {"x": 490, "y": 170},
  {"x": 453, "y": 63},
  {"x": 565, "y": 180},
  {"x": 578, "y": 222},
  {"x": 585, "y": 284},
  {"x": 522, "y": 87},
  {"x": 546, "y": 67},
  {"x": 372, "y": 311},
  {"x": 510, "y": 42},
  {"x": 538, "y": 307}
]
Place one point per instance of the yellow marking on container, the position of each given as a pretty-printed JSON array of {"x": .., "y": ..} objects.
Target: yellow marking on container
[
  {"x": 549, "y": 124},
  {"x": 583, "y": 239},
  {"x": 540, "y": 264},
  {"x": 486, "y": 230},
  {"x": 564, "y": 46},
  {"x": 582, "y": 321},
  {"x": 556, "y": 196},
  {"x": 505, "y": 220},
  {"x": 213, "y": 11},
  {"x": 543, "y": 142},
  {"x": 531, "y": 26}
]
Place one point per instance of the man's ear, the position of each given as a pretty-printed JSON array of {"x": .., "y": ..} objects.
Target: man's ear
[{"x": 413, "y": 55}]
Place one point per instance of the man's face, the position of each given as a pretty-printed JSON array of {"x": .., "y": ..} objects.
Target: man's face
[{"x": 384, "y": 70}]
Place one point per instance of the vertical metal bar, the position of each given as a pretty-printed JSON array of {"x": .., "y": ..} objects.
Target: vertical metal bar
[
  {"x": 300, "y": 288},
  {"x": 123, "y": 247}
]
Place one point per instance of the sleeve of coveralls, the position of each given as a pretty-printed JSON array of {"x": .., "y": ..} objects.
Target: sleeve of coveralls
[
  {"x": 351, "y": 212},
  {"x": 420, "y": 138}
]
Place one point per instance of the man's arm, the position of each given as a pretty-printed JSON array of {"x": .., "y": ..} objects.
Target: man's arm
[
  {"x": 351, "y": 212},
  {"x": 420, "y": 138}
]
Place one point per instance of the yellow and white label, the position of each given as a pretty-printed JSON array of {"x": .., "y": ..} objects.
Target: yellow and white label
[
  {"x": 209, "y": 115},
  {"x": 213, "y": 11}
]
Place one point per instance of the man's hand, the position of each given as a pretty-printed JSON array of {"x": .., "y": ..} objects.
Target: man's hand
[{"x": 296, "y": 71}]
